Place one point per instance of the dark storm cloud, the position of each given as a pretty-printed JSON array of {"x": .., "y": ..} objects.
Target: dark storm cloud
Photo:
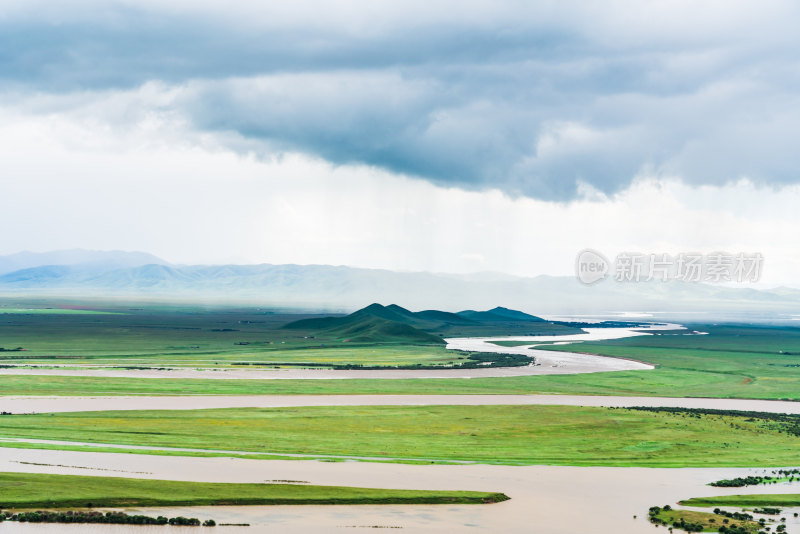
[{"x": 530, "y": 100}]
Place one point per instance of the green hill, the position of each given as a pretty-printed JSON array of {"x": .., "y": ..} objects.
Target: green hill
[
  {"x": 499, "y": 314},
  {"x": 374, "y": 330},
  {"x": 426, "y": 319},
  {"x": 515, "y": 315},
  {"x": 373, "y": 324},
  {"x": 394, "y": 324},
  {"x": 443, "y": 317},
  {"x": 392, "y": 312}
]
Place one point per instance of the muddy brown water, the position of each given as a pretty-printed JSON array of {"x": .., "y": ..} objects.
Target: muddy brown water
[
  {"x": 544, "y": 499},
  {"x": 17, "y": 404}
]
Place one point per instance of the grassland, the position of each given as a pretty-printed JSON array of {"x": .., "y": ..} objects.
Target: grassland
[
  {"x": 745, "y": 500},
  {"x": 320, "y": 357},
  {"x": 27, "y": 490},
  {"x": 130, "y": 330},
  {"x": 664, "y": 381},
  {"x": 735, "y": 361},
  {"x": 554, "y": 435},
  {"x": 137, "y": 342},
  {"x": 155, "y": 337},
  {"x": 700, "y": 521},
  {"x": 187, "y": 338},
  {"x": 746, "y": 361}
]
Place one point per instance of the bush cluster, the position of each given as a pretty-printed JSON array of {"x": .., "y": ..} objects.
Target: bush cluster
[{"x": 117, "y": 518}]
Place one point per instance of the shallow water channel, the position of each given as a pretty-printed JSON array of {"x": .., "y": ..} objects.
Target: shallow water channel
[{"x": 543, "y": 499}]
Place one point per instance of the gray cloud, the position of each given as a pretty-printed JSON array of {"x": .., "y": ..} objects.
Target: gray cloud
[{"x": 531, "y": 100}]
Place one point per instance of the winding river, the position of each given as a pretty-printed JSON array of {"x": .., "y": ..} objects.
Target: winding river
[
  {"x": 546, "y": 362},
  {"x": 544, "y": 499}
]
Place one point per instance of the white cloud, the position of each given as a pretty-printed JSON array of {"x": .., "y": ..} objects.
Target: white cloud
[
  {"x": 71, "y": 182},
  {"x": 202, "y": 131},
  {"x": 531, "y": 98}
]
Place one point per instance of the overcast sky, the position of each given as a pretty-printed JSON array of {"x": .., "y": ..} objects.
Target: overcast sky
[{"x": 442, "y": 136}]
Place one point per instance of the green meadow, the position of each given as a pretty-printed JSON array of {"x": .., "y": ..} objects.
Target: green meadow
[
  {"x": 685, "y": 372},
  {"x": 553, "y": 435},
  {"x": 749, "y": 501},
  {"x": 28, "y": 490},
  {"x": 745, "y": 361},
  {"x": 735, "y": 361},
  {"x": 190, "y": 338},
  {"x": 129, "y": 336}
]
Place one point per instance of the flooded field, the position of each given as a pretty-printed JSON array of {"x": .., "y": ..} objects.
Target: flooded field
[{"x": 543, "y": 499}]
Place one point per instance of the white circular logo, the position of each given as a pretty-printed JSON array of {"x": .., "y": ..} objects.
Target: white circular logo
[{"x": 590, "y": 266}]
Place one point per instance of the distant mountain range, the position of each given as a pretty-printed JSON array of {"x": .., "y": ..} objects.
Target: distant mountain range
[
  {"x": 126, "y": 274},
  {"x": 86, "y": 260}
]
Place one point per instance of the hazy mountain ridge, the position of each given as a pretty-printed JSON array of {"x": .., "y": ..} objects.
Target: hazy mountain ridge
[
  {"x": 351, "y": 288},
  {"x": 87, "y": 259}
]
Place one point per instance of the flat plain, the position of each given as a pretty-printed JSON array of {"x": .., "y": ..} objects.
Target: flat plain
[
  {"x": 730, "y": 361},
  {"x": 31, "y": 490},
  {"x": 705, "y": 360},
  {"x": 548, "y": 435}
]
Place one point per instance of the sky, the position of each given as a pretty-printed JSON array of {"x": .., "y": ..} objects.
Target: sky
[{"x": 438, "y": 136}]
